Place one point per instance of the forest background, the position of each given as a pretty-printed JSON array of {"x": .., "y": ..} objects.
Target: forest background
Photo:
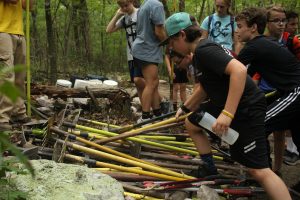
[{"x": 68, "y": 37}]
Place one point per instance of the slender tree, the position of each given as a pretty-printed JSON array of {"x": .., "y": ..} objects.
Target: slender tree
[
  {"x": 181, "y": 5},
  {"x": 51, "y": 42}
]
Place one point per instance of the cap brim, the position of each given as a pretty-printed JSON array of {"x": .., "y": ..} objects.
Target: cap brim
[{"x": 165, "y": 42}]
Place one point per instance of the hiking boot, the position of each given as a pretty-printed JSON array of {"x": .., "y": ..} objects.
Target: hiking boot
[
  {"x": 203, "y": 171},
  {"x": 21, "y": 120},
  {"x": 140, "y": 120},
  {"x": 292, "y": 159},
  {"x": 287, "y": 153},
  {"x": 296, "y": 187},
  {"x": 165, "y": 107},
  {"x": 5, "y": 127}
]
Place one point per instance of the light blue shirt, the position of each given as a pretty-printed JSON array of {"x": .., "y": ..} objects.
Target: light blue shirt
[{"x": 220, "y": 30}]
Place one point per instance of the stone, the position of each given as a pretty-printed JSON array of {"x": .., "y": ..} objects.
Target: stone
[
  {"x": 60, "y": 181},
  {"x": 207, "y": 193}
]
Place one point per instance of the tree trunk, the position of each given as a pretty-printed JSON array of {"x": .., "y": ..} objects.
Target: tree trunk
[
  {"x": 100, "y": 92},
  {"x": 167, "y": 11},
  {"x": 181, "y": 5},
  {"x": 67, "y": 38},
  {"x": 201, "y": 11},
  {"x": 75, "y": 29},
  {"x": 51, "y": 42},
  {"x": 233, "y": 7},
  {"x": 85, "y": 30},
  {"x": 103, "y": 24}
]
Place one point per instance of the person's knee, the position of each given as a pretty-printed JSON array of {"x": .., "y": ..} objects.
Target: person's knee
[
  {"x": 139, "y": 82},
  {"x": 182, "y": 89},
  {"x": 191, "y": 128},
  {"x": 259, "y": 174},
  {"x": 152, "y": 83}
]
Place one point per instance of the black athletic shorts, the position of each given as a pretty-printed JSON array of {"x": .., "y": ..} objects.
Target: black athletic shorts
[
  {"x": 139, "y": 64},
  {"x": 250, "y": 149},
  {"x": 284, "y": 114},
  {"x": 180, "y": 75},
  {"x": 131, "y": 69}
]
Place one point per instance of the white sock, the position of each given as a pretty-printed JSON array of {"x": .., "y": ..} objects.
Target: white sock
[{"x": 291, "y": 147}]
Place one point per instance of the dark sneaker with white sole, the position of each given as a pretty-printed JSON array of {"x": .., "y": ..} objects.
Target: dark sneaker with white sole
[
  {"x": 203, "y": 171},
  {"x": 292, "y": 159}
]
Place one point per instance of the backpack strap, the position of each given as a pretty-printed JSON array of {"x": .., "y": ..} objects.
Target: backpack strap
[
  {"x": 289, "y": 43},
  {"x": 132, "y": 32},
  {"x": 210, "y": 17},
  {"x": 232, "y": 25}
]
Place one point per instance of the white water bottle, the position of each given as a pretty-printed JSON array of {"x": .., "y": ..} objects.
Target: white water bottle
[{"x": 206, "y": 121}]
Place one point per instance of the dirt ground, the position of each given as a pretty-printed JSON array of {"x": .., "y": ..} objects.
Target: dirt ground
[{"x": 290, "y": 174}]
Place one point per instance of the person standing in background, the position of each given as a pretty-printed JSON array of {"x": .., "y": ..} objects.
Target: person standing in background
[
  {"x": 220, "y": 27},
  {"x": 291, "y": 154},
  {"x": 292, "y": 22},
  {"x": 12, "y": 53},
  {"x": 147, "y": 54},
  {"x": 277, "y": 21},
  {"x": 179, "y": 76},
  {"x": 126, "y": 18}
]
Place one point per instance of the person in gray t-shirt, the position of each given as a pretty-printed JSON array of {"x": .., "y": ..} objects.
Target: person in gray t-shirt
[{"x": 147, "y": 53}]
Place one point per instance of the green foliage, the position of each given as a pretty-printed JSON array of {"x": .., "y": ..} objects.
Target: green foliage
[
  {"x": 10, "y": 90},
  {"x": 8, "y": 165},
  {"x": 107, "y": 51},
  {"x": 7, "y": 190},
  {"x": 9, "y": 193}
]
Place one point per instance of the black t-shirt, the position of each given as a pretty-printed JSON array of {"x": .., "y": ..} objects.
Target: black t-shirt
[
  {"x": 210, "y": 61},
  {"x": 274, "y": 62}
]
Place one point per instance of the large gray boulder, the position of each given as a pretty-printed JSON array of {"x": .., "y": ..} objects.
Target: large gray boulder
[{"x": 59, "y": 181}]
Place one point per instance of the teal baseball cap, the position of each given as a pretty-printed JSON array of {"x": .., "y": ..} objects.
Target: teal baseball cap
[{"x": 175, "y": 23}]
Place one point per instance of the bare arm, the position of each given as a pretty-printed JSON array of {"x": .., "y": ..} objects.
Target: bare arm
[
  {"x": 30, "y": 4},
  {"x": 168, "y": 64},
  {"x": 198, "y": 96},
  {"x": 160, "y": 32},
  {"x": 237, "y": 44},
  {"x": 238, "y": 73},
  {"x": 204, "y": 34},
  {"x": 111, "y": 27}
]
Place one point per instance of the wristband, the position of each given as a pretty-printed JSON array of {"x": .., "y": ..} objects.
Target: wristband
[
  {"x": 228, "y": 114},
  {"x": 185, "y": 109}
]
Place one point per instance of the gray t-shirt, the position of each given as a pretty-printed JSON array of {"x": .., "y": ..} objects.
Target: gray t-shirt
[
  {"x": 128, "y": 22},
  {"x": 145, "y": 46}
]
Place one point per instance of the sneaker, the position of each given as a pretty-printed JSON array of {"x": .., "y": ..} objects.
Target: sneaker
[
  {"x": 165, "y": 107},
  {"x": 203, "y": 171},
  {"x": 22, "y": 120},
  {"x": 293, "y": 159},
  {"x": 140, "y": 120},
  {"x": 287, "y": 153}
]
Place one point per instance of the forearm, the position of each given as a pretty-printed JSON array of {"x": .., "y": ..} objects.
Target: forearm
[
  {"x": 168, "y": 63},
  {"x": 198, "y": 96},
  {"x": 237, "y": 45},
  {"x": 236, "y": 87},
  {"x": 204, "y": 34},
  {"x": 111, "y": 27},
  {"x": 160, "y": 32}
]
